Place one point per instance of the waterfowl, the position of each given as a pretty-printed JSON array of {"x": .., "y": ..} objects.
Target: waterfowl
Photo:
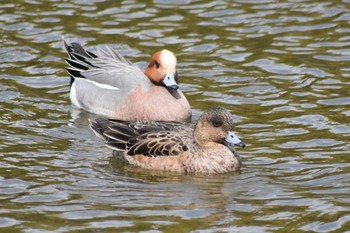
[
  {"x": 205, "y": 147},
  {"x": 107, "y": 84}
]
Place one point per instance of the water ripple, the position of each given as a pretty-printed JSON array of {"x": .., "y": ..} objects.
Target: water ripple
[{"x": 280, "y": 67}]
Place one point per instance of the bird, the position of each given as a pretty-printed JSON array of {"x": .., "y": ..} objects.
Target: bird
[
  {"x": 206, "y": 146},
  {"x": 107, "y": 84}
]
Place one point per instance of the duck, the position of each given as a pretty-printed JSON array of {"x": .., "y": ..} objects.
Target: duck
[
  {"x": 107, "y": 84},
  {"x": 206, "y": 146}
]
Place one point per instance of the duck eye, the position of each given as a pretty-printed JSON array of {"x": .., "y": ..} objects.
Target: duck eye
[
  {"x": 217, "y": 122},
  {"x": 157, "y": 64}
]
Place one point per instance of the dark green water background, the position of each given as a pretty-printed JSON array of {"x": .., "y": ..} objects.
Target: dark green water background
[{"x": 280, "y": 67}]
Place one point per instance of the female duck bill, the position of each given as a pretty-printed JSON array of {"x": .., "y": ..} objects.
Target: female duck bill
[{"x": 233, "y": 139}]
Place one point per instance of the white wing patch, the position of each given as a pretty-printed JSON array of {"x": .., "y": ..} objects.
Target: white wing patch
[
  {"x": 73, "y": 90},
  {"x": 101, "y": 85},
  {"x": 73, "y": 95}
]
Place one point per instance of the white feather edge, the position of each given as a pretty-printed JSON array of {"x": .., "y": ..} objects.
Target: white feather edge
[
  {"x": 73, "y": 95},
  {"x": 73, "y": 90}
]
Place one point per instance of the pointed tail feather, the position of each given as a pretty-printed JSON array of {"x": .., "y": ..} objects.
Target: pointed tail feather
[{"x": 77, "y": 53}]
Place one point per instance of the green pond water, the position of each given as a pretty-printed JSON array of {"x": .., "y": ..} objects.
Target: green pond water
[{"x": 282, "y": 68}]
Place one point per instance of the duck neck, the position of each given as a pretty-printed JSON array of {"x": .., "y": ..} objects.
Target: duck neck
[{"x": 200, "y": 137}]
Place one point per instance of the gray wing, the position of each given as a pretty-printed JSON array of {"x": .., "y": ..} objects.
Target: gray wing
[
  {"x": 96, "y": 97},
  {"x": 108, "y": 67}
]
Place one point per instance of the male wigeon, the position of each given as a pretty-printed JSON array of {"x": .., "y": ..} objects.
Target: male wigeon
[
  {"x": 106, "y": 83},
  {"x": 174, "y": 146}
]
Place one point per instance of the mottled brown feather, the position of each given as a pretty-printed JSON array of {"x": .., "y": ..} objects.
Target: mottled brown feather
[
  {"x": 174, "y": 146},
  {"x": 163, "y": 143}
]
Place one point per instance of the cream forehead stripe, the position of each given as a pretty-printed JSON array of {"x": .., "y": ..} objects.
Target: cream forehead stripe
[{"x": 168, "y": 60}]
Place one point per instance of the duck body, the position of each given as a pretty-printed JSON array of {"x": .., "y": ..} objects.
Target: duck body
[
  {"x": 174, "y": 146},
  {"x": 107, "y": 84}
]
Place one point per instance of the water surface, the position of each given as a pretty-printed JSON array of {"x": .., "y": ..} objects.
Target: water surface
[{"x": 280, "y": 67}]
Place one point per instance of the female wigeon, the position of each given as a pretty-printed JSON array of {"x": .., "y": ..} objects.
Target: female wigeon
[
  {"x": 106, "y": 83},
  {"x": 174, "y": 146}
]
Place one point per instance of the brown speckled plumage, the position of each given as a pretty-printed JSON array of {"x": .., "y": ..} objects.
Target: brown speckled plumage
[{"x": 173, "y": 146}]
